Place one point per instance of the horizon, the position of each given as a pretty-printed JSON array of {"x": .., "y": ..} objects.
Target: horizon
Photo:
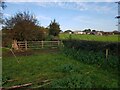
[{"x": 75, "y": 16}]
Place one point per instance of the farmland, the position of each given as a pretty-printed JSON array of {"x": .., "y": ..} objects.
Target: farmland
[
  {"x": 79, "y": 64},
  {"x": 109, "y": 38},
  {"x": 54, "y": 66},
  {"x": 35, "y": 56}
]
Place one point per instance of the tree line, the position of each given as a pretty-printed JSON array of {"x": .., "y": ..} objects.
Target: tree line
[{"x": 24, "y": 26}]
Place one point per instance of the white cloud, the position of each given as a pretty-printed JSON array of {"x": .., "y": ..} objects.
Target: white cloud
[
  {"x": 105, "y": 8},
  {"x": 81, "y": 6},
  {"x": 43, "y": 17},
  {"x": 66, "y": 5},
  {"x": 6, "y": 15},
  {"x": 61, "y": 0}
]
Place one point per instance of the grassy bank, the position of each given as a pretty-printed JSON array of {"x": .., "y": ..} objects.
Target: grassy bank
[{"x": 52, "y": 65}]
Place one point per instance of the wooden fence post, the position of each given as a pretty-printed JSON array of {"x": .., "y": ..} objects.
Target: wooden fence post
[
  {"x": 42, "y": 43},
  {"x": 106, "y": 53},
  {"x": 58, "y": 43},
  {"x": 25, "y": 45}
]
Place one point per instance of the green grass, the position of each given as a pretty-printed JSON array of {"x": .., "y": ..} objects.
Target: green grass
[
  {"x": 109, "y": 38},
  {"x": 62, "y": 72}
]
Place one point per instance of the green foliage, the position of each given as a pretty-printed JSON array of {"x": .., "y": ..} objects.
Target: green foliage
[
  {"x": 73, "y": 82},
  {"x": 95, "y": 46},
  {"x": 52, "y": 65},
  {"x": 82, "y": 81},
  {"x": 87, "y": 30},
  {"x": 68, "y": 68},
  {"x": 94, "y": 52},
  {"x": 54, "y": 28},
  {"x": 93, "y": 58},
  {"x": 23, "y": 26},
  {"x": 49, "y": 38}
]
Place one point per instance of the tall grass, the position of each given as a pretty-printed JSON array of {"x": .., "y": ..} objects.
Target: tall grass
[
  {"x": 62, "y": 71},
  {"x": 94, "y": 58}
]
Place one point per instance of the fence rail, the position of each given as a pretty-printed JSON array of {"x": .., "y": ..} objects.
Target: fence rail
[{"x": 38, "y": 44}]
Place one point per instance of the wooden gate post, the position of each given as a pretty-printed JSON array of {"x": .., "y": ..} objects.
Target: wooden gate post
[
  {"x": 58, "y": 43},
  {"x": 14, "y": 45},
  {"x": 106, "y": 53},
  {"x": 25, "y": 45}
]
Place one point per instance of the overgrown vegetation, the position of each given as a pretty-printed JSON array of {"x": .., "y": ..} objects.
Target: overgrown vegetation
[
  {"x": 52, "y": 65},
  {"x": 92, "y": 52},
  {"x": 94, "y": 58},
  {"x": 95, "y": 46}
]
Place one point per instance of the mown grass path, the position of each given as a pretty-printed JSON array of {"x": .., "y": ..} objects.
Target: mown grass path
[{"x": 54, "y": 66}]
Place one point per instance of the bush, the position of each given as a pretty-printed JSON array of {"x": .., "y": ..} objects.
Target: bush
[
  {"x": 94, "y": 52},
  {"x": 90, "y": 57},
  {"x": 82, "y": 81},
  {"x": 95, "y": 46}
]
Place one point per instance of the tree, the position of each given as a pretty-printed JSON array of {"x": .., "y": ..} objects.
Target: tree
[
  {"x": 93, "y": 30},
  {"x": 54, "y": 28},
  {"x": 2, "y": 7},
  {"x": 87, "y": 30},
  {"x": 2, "y": 4},
  {"x": 67, "y": 31},
  {"x": 22, "y": 26},
  {"x": 116, "y": 32}
]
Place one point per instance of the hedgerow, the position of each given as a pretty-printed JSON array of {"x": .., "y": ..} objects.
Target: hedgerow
[{"x": 93, "y": 52}]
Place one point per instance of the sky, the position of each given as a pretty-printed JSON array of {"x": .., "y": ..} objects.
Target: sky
[{"x": 75, "y": 16}]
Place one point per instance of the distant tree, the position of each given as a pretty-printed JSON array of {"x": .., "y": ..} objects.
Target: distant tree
[
  {"x": 54, "y": 28},
  {"x": 93, "y": 30},
  {"x": 2, "y": 7},
  {"x": 116, "y": 32},
  {"x": 2, "y": 4},
  {"x": 87, "y": 30},
  {"x": 23, "y": 26},
  {"x": 67, "y": 31}
]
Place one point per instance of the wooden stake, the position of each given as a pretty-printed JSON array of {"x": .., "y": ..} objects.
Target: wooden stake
[
  {"x": 106, "y": 53},
  {"x": 14, "y": 55},
  {"x": 25, "y": 45},
  {"x": 42, "y": 43},
  {"x": 20, "y": 86}
]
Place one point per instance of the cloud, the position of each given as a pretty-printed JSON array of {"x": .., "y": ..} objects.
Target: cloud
[
  {"x": 99, "y": 7},
  {"x": 43, "y": 17},
  {"x": 65, "y": 5},
  {"x": 104, "y": 7},
  {"x": 81, "y": 5},
  {"x": 6, "y": 15},
  {"x": 61, "y": 0}
]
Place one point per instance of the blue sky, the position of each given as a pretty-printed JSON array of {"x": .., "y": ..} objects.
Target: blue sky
[{"x": 70, "y": 15}]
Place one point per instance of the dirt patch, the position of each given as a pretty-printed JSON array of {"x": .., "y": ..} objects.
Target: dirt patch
[
  {"x": 44, "y": 51},
  {"x": 29, "y": 52}
]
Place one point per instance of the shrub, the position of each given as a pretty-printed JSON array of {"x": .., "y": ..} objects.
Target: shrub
[
  {"x": 95, "y": 46},
  {"x": 93, "y": 52}
]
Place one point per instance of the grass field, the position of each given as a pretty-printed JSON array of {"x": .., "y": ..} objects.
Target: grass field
[
  {"x": 109, "y": 38},
  {"x": 52, "y": 65}
]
